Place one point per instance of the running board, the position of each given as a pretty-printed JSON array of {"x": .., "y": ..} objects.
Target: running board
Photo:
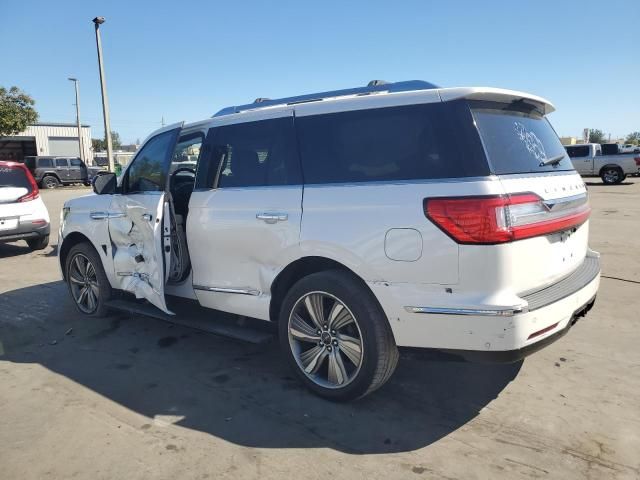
[{"x": 189, "y": 314}]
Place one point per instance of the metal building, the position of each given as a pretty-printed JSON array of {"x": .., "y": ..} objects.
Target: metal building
[{"x": 55, "y": 139}]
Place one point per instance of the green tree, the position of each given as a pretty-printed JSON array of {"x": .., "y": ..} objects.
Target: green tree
[
  {"x": 634, "y": 138},
  {"x": 16, "y": 111},
  {"x": 99, "y": 144},
  {"x": 115, "y": 140},
  {"x": 596, "y": 136}
]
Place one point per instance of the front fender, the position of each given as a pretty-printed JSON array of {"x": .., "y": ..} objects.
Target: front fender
[{"x": 76, "y": 225}]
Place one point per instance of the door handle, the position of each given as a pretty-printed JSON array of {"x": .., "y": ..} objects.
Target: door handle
[
  {"x": 147, "y": 216},
  {"x": 103, "y": 215},
  {"x": 271, "y": 217}
]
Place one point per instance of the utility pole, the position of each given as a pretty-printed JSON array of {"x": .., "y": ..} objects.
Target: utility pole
[
  {"x": 75, "y": 81},
  {"x": 105, "y": 102}
]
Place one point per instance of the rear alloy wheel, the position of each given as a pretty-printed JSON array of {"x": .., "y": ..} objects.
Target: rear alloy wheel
[
  {"x": 87, "y": 281},
  {"x": 336, "y": 336},
  {"x": 50, "y": 182},
  {"x": 612, "y": 176}
]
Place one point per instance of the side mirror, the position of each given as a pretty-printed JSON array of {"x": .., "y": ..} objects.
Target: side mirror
[{"x": 105, "y": 183}]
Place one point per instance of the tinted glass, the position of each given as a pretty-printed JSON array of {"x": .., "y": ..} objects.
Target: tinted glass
[
  {"x": 75, "y": 162},
  {"x": 254, "y": 154},
  {"x": 610, "y": 149},
  {"x": 519, "y": 141},
  {"x": 578, "y": 151},
  {"x": 61, "y": 162},
  {"x": 13, "y": 177},
  {"x": 30, "y": 162},
  {"x": 148, "y": 172},
  {"x": 45, "y": 163},
  {"x": 398, "y": 143}
]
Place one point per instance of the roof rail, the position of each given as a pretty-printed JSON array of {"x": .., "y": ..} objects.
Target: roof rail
[{"x": 372, "y": 87}]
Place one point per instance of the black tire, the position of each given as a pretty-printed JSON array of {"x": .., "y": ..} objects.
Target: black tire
[
  {"x": 612, "y": 175},
  {"x": 49, "y": 182},
  {"x": 378, "y": 355},
  {"x": 103, "y": 291},
  {"x": 39, "y": 243}
]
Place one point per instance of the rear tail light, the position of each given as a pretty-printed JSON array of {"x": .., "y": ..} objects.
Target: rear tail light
[
  {"x": 637, "y": 160},
  {"x": 504, "y": 218},
  {"x": 34, "y": 193}
]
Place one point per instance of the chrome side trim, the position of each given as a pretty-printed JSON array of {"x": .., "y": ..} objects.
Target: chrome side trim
[
  {"x": 509, "y": 312},
  {"x": 238, "y": 291}
]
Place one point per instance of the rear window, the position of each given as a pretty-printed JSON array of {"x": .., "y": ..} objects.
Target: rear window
[
  {"x": 14, "y": 177},
  {"x": 518, "y": 139},
  {"x": 412, "y": 142},
  {"x": 580, "y": 151}
]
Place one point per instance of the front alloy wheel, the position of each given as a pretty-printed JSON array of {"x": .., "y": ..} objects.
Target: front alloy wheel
[
  {"x": 83, "y": 281},
  {"x": 325, "y": 340}
]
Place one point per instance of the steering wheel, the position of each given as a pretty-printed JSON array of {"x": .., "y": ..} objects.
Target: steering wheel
[{"x": 182, "y": 169}]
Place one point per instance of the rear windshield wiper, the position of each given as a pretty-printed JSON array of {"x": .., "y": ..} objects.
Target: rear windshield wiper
[{"x": 553, "y": 160}]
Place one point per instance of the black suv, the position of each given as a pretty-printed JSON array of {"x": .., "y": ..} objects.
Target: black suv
[{"x": 51, "y": 172}]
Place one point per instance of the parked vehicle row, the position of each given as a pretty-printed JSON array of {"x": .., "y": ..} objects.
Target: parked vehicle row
[
  {"x": 51, "y": 172},
  {"x": 604, "y": 161},
  {"x": 358, "y": 221},
  {"x": 23, "y": 215}
]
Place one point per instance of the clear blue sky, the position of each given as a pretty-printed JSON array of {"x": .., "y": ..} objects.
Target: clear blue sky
[{"x": 185, "y": 60}]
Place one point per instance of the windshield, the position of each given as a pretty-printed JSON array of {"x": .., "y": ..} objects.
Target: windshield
[{"x": 518, "y": 139}]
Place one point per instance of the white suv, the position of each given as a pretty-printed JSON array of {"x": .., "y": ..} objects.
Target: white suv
[{"x": 359, "y": 221}]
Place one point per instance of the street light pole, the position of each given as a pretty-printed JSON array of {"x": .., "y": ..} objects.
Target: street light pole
[
  {"x": 105, "y": 102},
  {"x": 75, "y": 81}
]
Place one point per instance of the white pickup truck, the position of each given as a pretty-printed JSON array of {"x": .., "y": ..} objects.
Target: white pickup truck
[{"x": 589, "y": 159}]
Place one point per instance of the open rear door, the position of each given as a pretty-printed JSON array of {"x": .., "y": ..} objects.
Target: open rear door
[{"x": 137, "y": 220}]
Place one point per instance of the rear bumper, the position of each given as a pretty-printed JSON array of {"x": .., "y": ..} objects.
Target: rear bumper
[
  {"x": 511, "y": 356},
  {"x": 493, "y": 332},
  {"x": 25, "y": 231}
]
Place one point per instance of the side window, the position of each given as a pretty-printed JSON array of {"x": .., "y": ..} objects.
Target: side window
[
  {"x": 579, "y": 151},
  {"x": 75, "y": 162},
  {"x": 45, "y": 163},
  {"x": 61, "y": 162},
  {"x": 254, "y": 154},
  {"x": 148, "y": 171},
  {"x": 598, "y": 150},
  {"x": 386, "y": 144},
  {"x": 187, "y": 152}
]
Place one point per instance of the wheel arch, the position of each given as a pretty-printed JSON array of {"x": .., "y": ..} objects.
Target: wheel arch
[
  {"x": 71, "y": 240},
  {"x": 50, "y": 174},
  {"x": 610, "y": 165},
  {"x": 299, "y": 269}
]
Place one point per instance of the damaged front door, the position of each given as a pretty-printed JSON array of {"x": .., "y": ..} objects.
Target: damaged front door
[{"x": 137, "y": 220}]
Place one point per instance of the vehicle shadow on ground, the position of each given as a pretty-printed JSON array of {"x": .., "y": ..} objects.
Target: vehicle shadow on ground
[
  {"x": 16, "y": 249},
  {"x": 13, "y": 249},
  {"x": 238, "y": 392}
]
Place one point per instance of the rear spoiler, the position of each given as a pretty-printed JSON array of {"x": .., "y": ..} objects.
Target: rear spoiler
[{"x": 495, "y": 95}]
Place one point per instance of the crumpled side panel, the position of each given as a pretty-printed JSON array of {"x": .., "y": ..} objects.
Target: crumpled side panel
[{"x": 138, "y": 259}]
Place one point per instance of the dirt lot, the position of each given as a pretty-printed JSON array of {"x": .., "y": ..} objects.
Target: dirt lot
[{"x": 130, "y": 397}]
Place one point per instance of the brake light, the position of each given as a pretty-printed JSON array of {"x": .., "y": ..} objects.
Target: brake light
[
  {"x": 34, "y": 193},
  {"x": 637, "y": 160},
  {"x": 504, "y": 218}
]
